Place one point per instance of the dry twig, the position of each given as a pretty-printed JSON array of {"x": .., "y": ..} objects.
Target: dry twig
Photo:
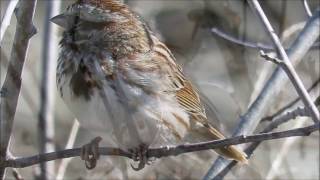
[
  {"x": 252, "y": 117},
  {"x": 276, "y": 122},
  {"x": 46, "y": 115},
  {"x": 286, "y": 63},
  {"x": 286, "y": 107},
  {"x": 248, "y": 44},
  {"x": 72, "y": 137},
  {"x": 307, "y": 8},
  {"x": 12, "y": 84},
  {"x": 164, "y": 151},
  {"x": 5, "y": 22}
]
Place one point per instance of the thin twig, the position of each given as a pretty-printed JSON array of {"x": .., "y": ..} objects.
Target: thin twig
[
  {"x": 287, "y": 65},
  {"x": 276, "y": 122},
  {"x": 164, "y": 151},
  {"x": 15, "y": 171},
  {"x": 299, "y": 111},
  {"x": 307, "y": 8},
  {"x": 282, "y": 151},
  {"x": 235, "y": 40},
  {"x": 12, "y": 84},
  {"x": 5, "y": 22},
  {"x": 286, "y": 107},
  {"x": 270, "y": 58},
  {"x": 249, "y": 121},
  {"x": 255, "y": 45},
  {"x": 16, "y": 174},
  {"x": 46, "y": 115},
  {"x": 72, "y": 137},
  {"x": 249, "y": 150}
]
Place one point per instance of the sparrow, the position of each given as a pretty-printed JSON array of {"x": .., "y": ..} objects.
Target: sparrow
[{"x": 122, "y": 83}]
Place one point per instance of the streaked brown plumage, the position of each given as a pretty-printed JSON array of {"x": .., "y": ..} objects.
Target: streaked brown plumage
[{"x": 119, "y": 79}]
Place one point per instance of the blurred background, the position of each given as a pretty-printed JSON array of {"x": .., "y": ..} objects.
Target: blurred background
[{"x": 230, "y": 75}]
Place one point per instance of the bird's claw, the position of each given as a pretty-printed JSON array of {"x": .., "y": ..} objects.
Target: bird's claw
[
  {"x": 90, "y": 153},
  {"x": 140, "y": 154},
  {"x": 141, "y": 165}
]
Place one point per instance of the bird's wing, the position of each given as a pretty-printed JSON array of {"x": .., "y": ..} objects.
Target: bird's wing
[
  {"x": 186, "y": 94},
  {"x": 189, "y": 99},
  {"x": 157, "y": 71}
]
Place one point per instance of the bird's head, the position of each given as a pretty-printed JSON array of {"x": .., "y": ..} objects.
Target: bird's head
[
  {"x": 103, "y": 24},
  {"x": 93, "y": 11}
]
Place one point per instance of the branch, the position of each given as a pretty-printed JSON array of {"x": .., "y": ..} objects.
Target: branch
[
  {"x": 47, "y": 93},
  {"x": 16, "y": 174},
  {"x": 287, "y": 65},
  {"x": 283, "y": 150},
  {"x": 5, "y": 22},
  {"x": 241, "y": 42},
  {"x": 235, "y": 40},
  {"x": 12, "y": 84},
  {"x": 276, "y": 121},
  {"x": 284, "y": 108},
  {"x": 307, "y": 8},
  {"x": 249, "y": 150},
  {"x": 163, "y": 151},
  {"x": 249, "y": 121},
  {"x": 290, "y": 73},
  {"x": 270, "y": 58},
  {"x": 72, "y": 137}
]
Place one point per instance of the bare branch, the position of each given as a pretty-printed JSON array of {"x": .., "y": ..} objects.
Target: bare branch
[
  {"x": 286, "y": 107},
  {"x": 235, "y": 40},
  {"x": 295, "y": 113},
  {"x": 249, "y": 150},
  {"x": 248, "y": 44},
  {"x": 287, "y": 65},
  {"x": 307, "y": 8},
  {"x": 282, "y": 151},
  {"x": 164, "y": 151},
  {"x": 249, "y": 121},
  {"x": 16, "y": 174},
  {"x": 46, "y": 115},
  {"x": 5, "y": 22},
  {"x": 270, "y": 58},
  {"x": 12, "y": 84},
  {"x": 276, "y": 121},
  {"x": 72, "y": 137},
  {"x": 32, "y": 160}
]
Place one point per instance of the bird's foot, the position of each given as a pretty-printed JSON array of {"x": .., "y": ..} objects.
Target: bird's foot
[
  {"x": 90, "y": 153},
  {"x": 140, "y": 154}
]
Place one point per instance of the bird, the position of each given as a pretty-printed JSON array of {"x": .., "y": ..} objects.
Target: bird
[{"x": 122, "y": 83}]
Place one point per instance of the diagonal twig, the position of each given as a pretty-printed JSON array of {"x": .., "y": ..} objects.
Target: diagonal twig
[
  {"x": 284, "y": 108},
  {"x": 282, "y": 151},
  {"x": 250, "y": 120},
  {"x": 307, "y": 8},
  {"x": 249, "y": 150},
  {"x": 12, "y": 84},
  {"x": 72, "y": 137},
  {"x": 277, "y": 120},
  {"x": 287, "y": 65},
  {"x": 249, "y": 44},
  {"x": 5, "y": 22}
]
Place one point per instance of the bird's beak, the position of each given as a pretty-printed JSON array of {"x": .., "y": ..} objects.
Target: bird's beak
[{"x": 62, "y": 20}]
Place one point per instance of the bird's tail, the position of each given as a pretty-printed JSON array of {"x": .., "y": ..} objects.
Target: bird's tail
[{"x": 229, "y": 152}]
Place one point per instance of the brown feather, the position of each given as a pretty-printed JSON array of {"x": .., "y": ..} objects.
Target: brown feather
[
  {"x": 188, "y": 97},
  {"x": 163, "y": 61}
]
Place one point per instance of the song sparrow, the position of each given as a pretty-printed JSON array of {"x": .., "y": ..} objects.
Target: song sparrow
[{"x": 121, "y": 82}]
